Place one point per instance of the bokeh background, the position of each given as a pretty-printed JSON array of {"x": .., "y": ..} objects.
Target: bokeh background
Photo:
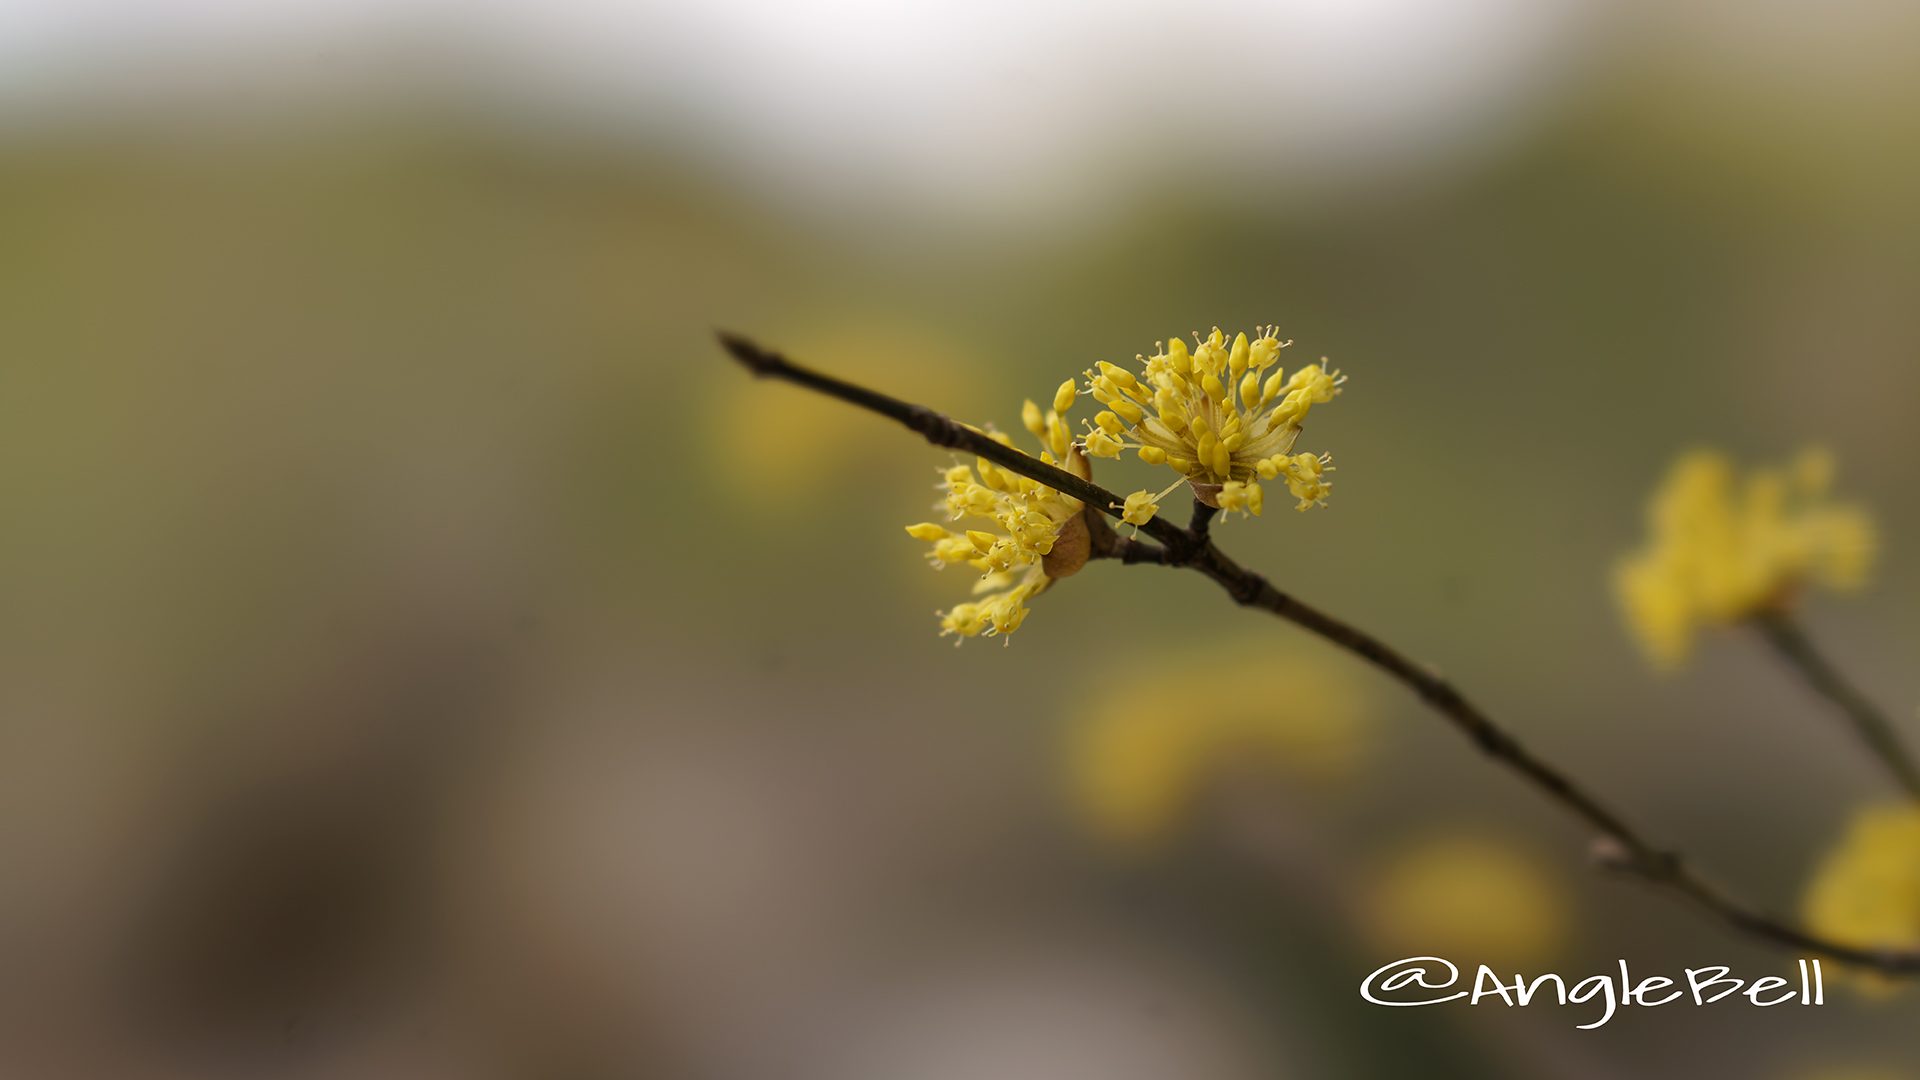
[{"x": 425, "y": 656}]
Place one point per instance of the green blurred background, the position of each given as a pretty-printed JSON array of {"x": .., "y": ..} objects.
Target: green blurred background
[{"x": 422, "y": 654}]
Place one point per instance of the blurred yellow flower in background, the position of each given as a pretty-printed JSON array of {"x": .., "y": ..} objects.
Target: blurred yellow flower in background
[
  {"x": 1470, "y": 897},
  {"x": 1147, "y": 740},
  {"x": 1720, "y": 549},
  {"x": 1866, "y": 891}
]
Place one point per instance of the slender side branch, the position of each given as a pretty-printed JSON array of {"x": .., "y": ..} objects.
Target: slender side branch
[
  {"x": 1791, "y": 641},
  {"x": 1619, "y": 845},
  {"x": 1200, "y": 525}
]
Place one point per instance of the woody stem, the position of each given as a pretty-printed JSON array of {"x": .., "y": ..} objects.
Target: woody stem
[
  {"x": 1202, "y": 519},
  {"x": 1791, "y": 641},
  {"x": 1619, "y": 844}
]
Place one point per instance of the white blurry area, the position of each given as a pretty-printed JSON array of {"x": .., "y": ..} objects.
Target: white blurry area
[
  {"x": 996, "y": 111},
  {"x": 1009, "y": 112}
]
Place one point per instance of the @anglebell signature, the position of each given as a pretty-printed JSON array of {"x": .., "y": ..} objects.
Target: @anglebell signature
[{"x": 1431, "y": 980}]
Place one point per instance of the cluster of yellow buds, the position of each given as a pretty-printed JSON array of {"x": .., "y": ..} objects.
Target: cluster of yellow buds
[
  {"x": 1038, "y": 537},
  {"x": 1215, "y": 415},
  {"x": 1719, "y": 551}
]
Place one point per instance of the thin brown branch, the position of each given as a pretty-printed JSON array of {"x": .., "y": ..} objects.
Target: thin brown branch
[
  {"x": 1874, "y": 730},
  {"x": 1619, "y": 845},
  {"x": 940, "y": 430}
]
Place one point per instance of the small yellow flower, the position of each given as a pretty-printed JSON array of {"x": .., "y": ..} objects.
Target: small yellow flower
[
  {"x": 1866, "y": 891},
  {"x": 1149, "y": 740},
  {"x": 1139, "y": 508},
  {"x": 1216, "y": 416},
  {"x": 1038, "y": 535},
  {"x": 1303, "y": 473},
  {"x": 1242, "y": 496},
  {"x": 1720, "y": 550}
]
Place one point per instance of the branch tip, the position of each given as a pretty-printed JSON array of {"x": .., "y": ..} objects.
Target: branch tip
[{"x": 761, "y": 362}]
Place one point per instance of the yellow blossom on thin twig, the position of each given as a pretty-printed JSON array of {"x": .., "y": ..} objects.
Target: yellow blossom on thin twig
[
  {"x": 1623, "y": 846},
  {"x": 1217, "y": 416},
  {"x": 1038, "y": 535},
  {"x": 1721, "y": 549}
]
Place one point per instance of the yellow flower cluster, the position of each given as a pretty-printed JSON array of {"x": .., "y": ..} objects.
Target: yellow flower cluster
[
  {"x": 1216, "y": 415},
  {"x": 1222, "y": 416},
  {"x": 1867, "y": 890},
  {"x": 1147, "y": 743},
  {"x": 1038, "y": 534},
  {"x": 1720, "y": 550}
]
